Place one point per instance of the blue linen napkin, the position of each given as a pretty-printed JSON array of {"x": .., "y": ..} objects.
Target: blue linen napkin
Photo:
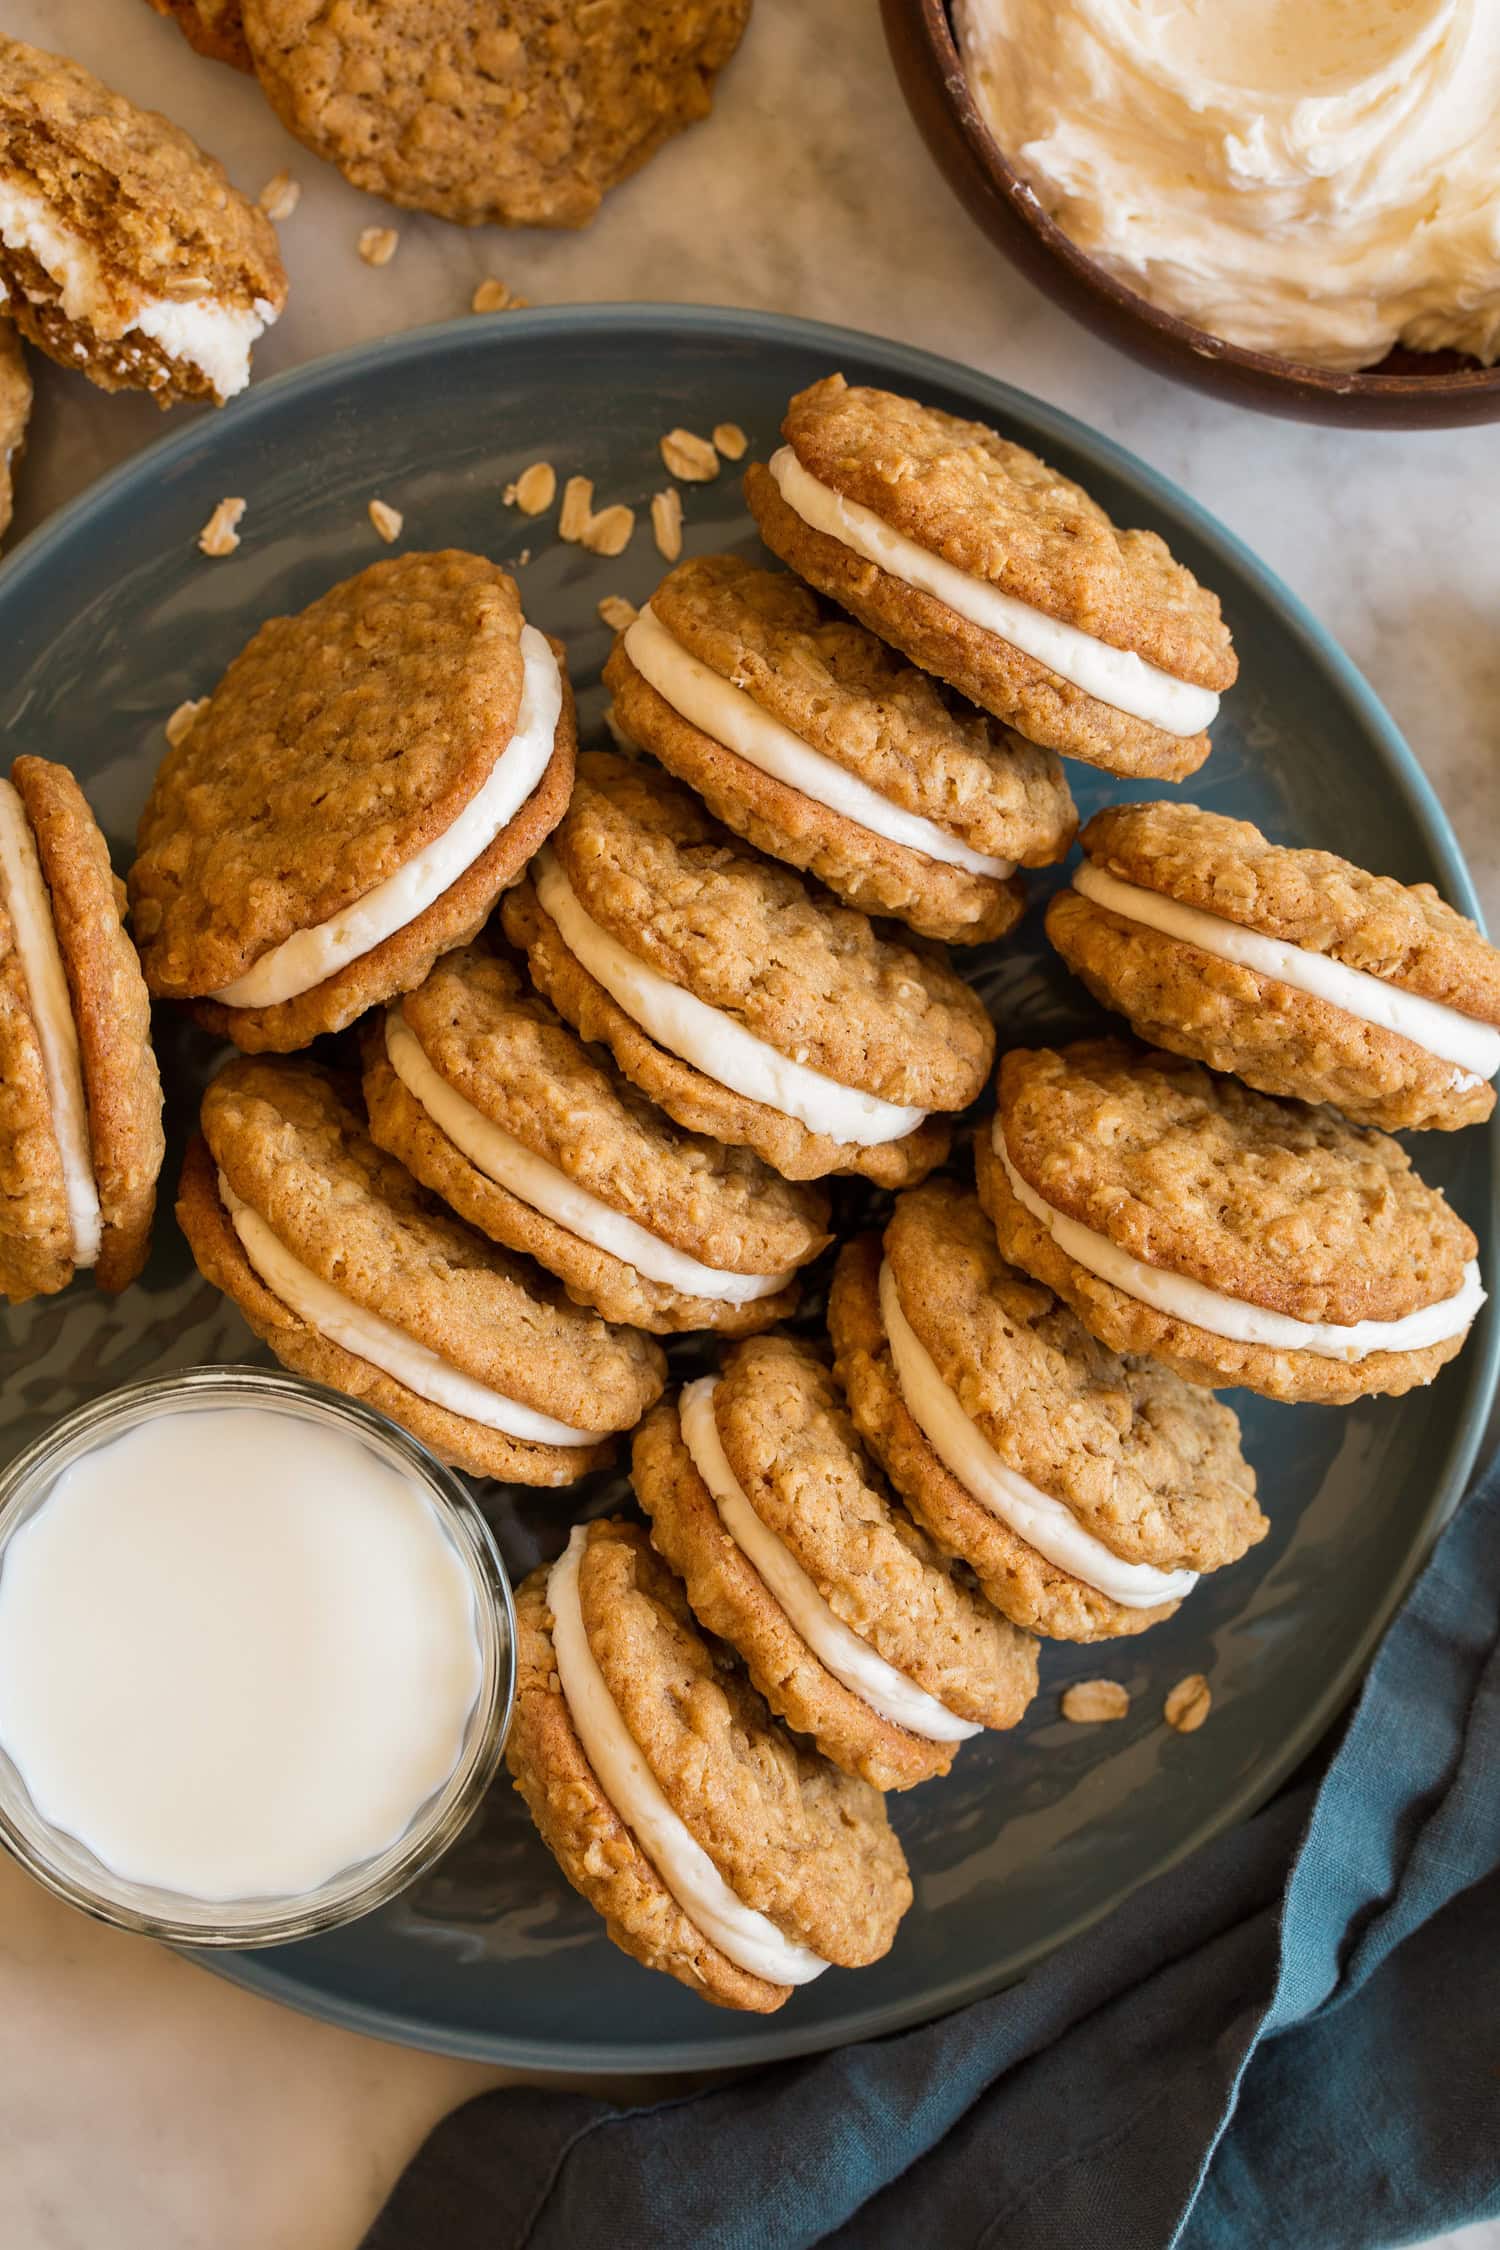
[{"x": 1290, "y": 2042}]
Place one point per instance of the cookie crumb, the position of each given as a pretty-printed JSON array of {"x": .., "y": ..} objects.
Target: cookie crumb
[
  {"x": 494, "y": 296},
  {"x": 610, "y": 532},
  {"x": 377, "y": 245},
  {"x": 577, "y": 510},
  {"x": 689, "y": 457},
  {"x": 523, "y": 558},
  {"x": 666, "y": 522},
  {"x": 534, "y": 490},
  {"x": 617, "y": 613},
  {"x": 1090, "y": 1702},
  {"x": 183, "y": 719},
  {"x": 280, "y": 196},
  {"x": 387, "y": 520},
  {"x": 220, "y": 535},
  {"x": 730, "y": 441},
  {"x": 1189, "y": 1704}
]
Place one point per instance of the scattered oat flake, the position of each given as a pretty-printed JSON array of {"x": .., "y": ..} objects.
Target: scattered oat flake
[
  {"x": 1189, "y": 1704},
  {"x": 577, "y": 510},
  {"x": 377, "y": 245},
  {"x": 387, "y": 520},
  {"x": 1089, "y": 1702},
  {"x": 730, "y": 441},
  {"x": 689, "y": 457},
  {"x": 617, "y": 613},
  {"x": 280, "y": 196},
  {"x": 494, "y": 296},
  {"x": 220, "y": 535},
  {"x": 666, "y": 522},
  {"x": 534, "y": 490},
  {"x": 609, "y": 532},
  {"x": 184, "y": 719}
]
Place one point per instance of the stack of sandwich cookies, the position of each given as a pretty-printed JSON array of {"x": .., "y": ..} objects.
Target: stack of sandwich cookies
[
  {"x": 124, "y": 251},
  {"x": 493, "y": 1103},
  {"x": 748, "y": 1005},
  {"x": 1242, "y": 1240},
  {"x": 366, "y": 779},
  {"x": 1086, "y": 1491},
  {"x": 80, "y": 1099},
  {"x": 355, "y": 1278},
  {"x": 15, "y": 415},
  {"x": 1295, "y": 970},
  {"x": 808, "y": 737},
  {"x": 987, "y": 567},
  {"x": 854, "y": 1628},
  {"x": 717, "y": 1849}
]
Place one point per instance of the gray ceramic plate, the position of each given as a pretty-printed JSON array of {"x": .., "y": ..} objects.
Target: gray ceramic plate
[{"x": 109, "y": 617}]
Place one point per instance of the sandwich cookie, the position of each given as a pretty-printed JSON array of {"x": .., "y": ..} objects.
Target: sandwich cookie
[
  {"x": 989, "y": 568},
  {"x": 808, "y": 737},
  {"x": 853, "y": 1626},
  {"x": 1295, "y": 970},
  {"x": 367, "y": 778},
  {"x": 15, "y": 415},
  {"x": 717, "y": 1849},
  {"x": 124, "y": 251},
  {"x": 355, "y": 1278},
  {"x": 214, "y": 28},
  {"x": 1087, "y": 1492},
  {"x": 482, "y": 1092},
  {"x": 746, "y": 1004},
  {"x": 80, "y": 1099},
  {"x": 1242, "y": 1240}
]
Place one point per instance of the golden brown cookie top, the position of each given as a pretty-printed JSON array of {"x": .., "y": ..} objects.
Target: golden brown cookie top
[
  {"x": 15, "y": 414},
  {"x": 1268, "y": 1201},
  {"x": 341, "y": 742},
  {"x": 996, "y": 511},
  {"x": 751, "y": 938},
  {"x": 1403, "y": 933}
]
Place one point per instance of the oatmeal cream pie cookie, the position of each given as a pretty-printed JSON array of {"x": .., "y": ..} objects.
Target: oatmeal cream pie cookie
[
  {"x": 15, "y": 414},
  {"x": 747, "y": 1004},
  {"x": 1243, "y": 1240},
  {"x": 356, "y": 1278},
  {"x": 717, "y": 1848},
  {"x": 365, "y": 780},
  {"x": 488, "y": 1097},
  {"x": 124, "y": 251},
  {"x": 808, "y": 737},
  {"x": 1086, "y": 1491},
  {"x": 1294, "y": 969},
  {"x": 855, "y": 1629},
  {"x": 80, "y": 1100},
  {"x": 984, "y": 565}
]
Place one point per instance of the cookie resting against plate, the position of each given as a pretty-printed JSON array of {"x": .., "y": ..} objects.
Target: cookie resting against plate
[
  {"x": 748, "y": 1004},
  {"x": 999, "y": 574},
  {"x": 1085, "y": 1490},
  {"x": 1243, "y": 1240},
  {"x": 1295, "y": 970},
  {"x": 717, "y": 1847},
  {"x": 124, "y": 250},
  {"x": 364, "y": 782},
  {"x": 853, "y": 1626},
  {"x": 357, "y": 1279},
  {"x": 15, "y": 415}
]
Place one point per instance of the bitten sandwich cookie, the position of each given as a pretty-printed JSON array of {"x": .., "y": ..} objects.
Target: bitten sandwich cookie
[
  {"x": 124, "y": 251},
  {"x": 747, "y": 1005},
  {"x": 1295, "y": 970},
  {"x": 717, "y": 1849},
  {"x": 80, "y": 1100},
  {"x": 1086, "y": 1491},
  {"x": 808, "y": 737},
  {"x": 1242, "y": 1240},
  {"x": 854, "y": 1628},
  {"x": 1000, "y": 575},
  {"x": 354, "y": 1277},
  {"x": 500, "y": 1109},
  {"x": 15, "y": 414},
  {"x": 367, "y": 778}
]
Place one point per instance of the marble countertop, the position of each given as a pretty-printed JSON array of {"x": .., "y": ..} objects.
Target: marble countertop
[{"x": 144, "y": 2105}]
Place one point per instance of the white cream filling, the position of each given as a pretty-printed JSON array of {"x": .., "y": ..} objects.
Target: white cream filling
[
  {"x": 308, "y": 956},
  {"x": 708, "y": 1039},
  {"x": 1116, "y": 676},
  {"x": 380, "y": 1343},
  {"x": 1472, "y": 1047},
  {"x": 23, "y": 891},
  {"x": 205, "y": 333},
  {"x": 1181, "y": 1298},
  {"x": 1033, "y": 1515},
  {"x": 748, "y": 1938},
  {"x": 853, "y": 1663},
  {"x": 502, "y": 1158},
  {"x": 725, "y": 712}
]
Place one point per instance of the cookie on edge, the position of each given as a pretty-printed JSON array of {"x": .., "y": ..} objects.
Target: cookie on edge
[
  {"x": 15, "y": 416},
  {"x": 1243, "y": 1240},
  {"x": 855, "y": 1629},
  {"x": 1295, "y": 970},
  {"x": 483, "y": 1093},
  {"x": 366, "y": 779},
  {"x": 124, "y": 250},
  {"x": 996, "y": 572},
  {"x": 717, "y": 1849},
  {"x": 213, "y": 28},
  {"x": 746, "y": 1004}
]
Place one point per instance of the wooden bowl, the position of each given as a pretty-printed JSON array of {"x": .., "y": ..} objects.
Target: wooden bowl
[{"x": 1407, "y": 391}]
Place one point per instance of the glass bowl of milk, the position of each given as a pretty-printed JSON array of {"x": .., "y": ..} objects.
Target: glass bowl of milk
[{"x": 257, "y": 1658}]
